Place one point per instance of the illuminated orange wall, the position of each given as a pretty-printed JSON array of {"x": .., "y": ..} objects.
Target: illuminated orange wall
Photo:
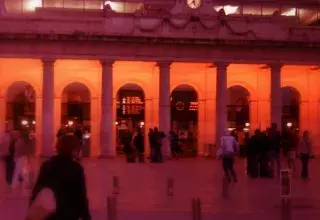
[{"x": 201, "y": 76}]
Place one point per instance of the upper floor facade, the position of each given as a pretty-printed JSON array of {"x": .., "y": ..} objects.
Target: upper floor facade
[{"x": 210, "y": 27}]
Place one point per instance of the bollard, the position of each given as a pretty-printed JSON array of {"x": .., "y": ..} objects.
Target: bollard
[
  {"x": 116, "y": 185},
  {"x": 111, "y": 208},
  {"x": 286, "y": 209},
  {"x": 196, "y": 209},
  {"x": 170, "y": 187},
  {"x": 225, "y": 188}
]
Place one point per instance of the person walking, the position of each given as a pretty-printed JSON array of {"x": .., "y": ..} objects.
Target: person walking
[
  {"x": 139, "y": 145},
  {"x": 128, "y": 149},
  {"x": 227, "y": 152},
  {"x": 253, "y": 153},
  {"x": 152, "y": 145},
  {"x": 158, "y": 136},
  {"x": 65, "y": 178},
  {"x": 274, "y": 140},
  {"x": 174, "y": 145},
  {"x": 21, "y": 171},
  {"x": 79, "y": 134},
  {"x": 305, "y": 152}
]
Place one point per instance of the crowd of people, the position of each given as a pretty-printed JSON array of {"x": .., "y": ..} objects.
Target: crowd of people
[
  {"x": 133, "y": 145},
  {"x": 264, "y": 151}
]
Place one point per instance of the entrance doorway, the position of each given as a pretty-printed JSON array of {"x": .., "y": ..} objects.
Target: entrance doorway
[
  {"x": 291, "y": 99},
  {"x": 21, "y": 103},
  {"x": 184, "y": 118},
  {"x": 75, "y": 113},
  {"x": 238, "y": 108},
  {"x": 130, "y": 113}
]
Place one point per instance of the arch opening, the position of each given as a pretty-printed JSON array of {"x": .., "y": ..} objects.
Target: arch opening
[
  {"x": 291, "y": 99},
  {"x": 21, "y": 107},
  {"x": 184, "y": 120},
  {"x": 76, "y": 114},
  {"x": 238, "y": 108},
  {"x": 130, "y": 115}
]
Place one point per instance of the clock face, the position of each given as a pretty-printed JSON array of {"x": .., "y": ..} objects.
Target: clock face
[{"x": 194, "y": 3}]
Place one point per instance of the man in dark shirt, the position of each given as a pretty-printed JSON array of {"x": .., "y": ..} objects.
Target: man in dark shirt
[{"x": 65, "y": 177}]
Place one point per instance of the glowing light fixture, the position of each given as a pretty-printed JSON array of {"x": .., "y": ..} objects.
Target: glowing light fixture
[
  {"x": 116, "y": 123},
  {"x": 33, "y": 4},
  {"x": 289, "y": 124},
  {"x": 231, "y": 129},
  {"x": 86, "y": 136},
  {"x": 246, "y": 129},
  {"x": 70, "y": 123},
  {"x": 141, "y": 123},
  {"x": 115, "y": 6},
  {"x": 247, "y": 124},
  {"x": 24, "y": 122},
  {"x": 291, "y": 12},
  {"x": 33, "y": 122},
  {"x": 228, "y": 9}
]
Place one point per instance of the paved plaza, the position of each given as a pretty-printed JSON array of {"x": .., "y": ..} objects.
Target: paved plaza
[{"x": 143, "y": 192}]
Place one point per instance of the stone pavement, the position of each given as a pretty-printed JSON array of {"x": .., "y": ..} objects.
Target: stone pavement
[{"x": 143, "y": 192}]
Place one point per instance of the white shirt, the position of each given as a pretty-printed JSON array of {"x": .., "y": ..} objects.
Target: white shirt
[{"x": 228, "y": 145}]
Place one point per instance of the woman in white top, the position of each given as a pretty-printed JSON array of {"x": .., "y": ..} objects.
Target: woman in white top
[{"x": 305, "y": 150}]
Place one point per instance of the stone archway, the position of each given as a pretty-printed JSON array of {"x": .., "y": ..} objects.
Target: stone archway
[
  {"x": 238, "y": 108},
  {"x": 291, "y": 100},
  {"x": 184, "y": 118},
  {"x": 21, "y": 106},
  {"x": 130, "y": 113},
  {"x": 76, "y": 113}
]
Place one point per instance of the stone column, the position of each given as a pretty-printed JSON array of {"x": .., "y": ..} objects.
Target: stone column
[
  {"x": 276, "y": 97},
  {"x": 107, "y": 120},
  {"x": 221, "y": 101},
  {"x": 164, "y": 105},
  {"x": 47, "y": 108}
]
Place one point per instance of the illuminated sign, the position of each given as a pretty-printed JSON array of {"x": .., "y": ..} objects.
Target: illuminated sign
[{"x": 131, "y": 105}]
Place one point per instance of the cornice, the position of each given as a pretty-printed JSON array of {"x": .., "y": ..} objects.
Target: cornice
[{"x": 155, "y": 40}]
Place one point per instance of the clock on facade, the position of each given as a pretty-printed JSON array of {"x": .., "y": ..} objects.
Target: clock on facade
[{"x": 194, "y": 4}]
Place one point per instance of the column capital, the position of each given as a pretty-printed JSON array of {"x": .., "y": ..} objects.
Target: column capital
[
  {"x": 107, "y": 62},
  {"x": 48, "y": 60},
  {"x": 164, "y": 64},
  {"x": 221, "y": 65},
  {"x": 275, "y": 66}
]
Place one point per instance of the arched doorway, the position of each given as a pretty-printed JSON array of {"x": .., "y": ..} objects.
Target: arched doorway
[
  {"x": 184, "y": 118},
  {"x": 21, "y": 105},
  {"x": 76, "y": 112},
  {"x": 238, "y": 108},
  {"x": 130, "y": 112},
  {"x": 291, "y": 99}
]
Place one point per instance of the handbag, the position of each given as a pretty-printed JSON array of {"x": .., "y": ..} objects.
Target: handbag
[{"x": 43, "y": 206}]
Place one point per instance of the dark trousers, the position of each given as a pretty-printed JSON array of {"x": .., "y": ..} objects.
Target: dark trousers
[
  {"x": 10, "y": 166},
  {"x": 252, "y": 166},
  {"x": 304, "y": 165},
  {"x": 141, "y": 157},
  {"x": 227, "y": 164},
  {"x": 158, "y": 154}
]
